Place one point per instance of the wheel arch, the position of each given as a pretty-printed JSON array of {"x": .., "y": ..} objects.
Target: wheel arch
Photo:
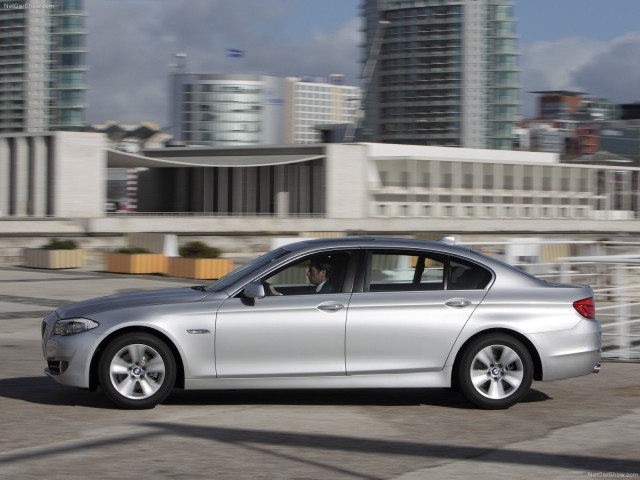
[
  {"x": 95, "y": 360},
  {"x": 535, "y": 356}
]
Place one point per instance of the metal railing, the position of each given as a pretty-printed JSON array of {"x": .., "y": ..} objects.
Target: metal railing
[
  {"x": 616, "y": 283},
  {"x": 612, "y": 269}
]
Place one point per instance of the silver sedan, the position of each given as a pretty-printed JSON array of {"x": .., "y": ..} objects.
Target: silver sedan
[{"x": 342, "y": 313}]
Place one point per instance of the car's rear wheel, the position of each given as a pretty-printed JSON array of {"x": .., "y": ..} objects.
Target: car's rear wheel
[
  {"x": 137, "y": 371},
  {"x": 495, "y": 371}
]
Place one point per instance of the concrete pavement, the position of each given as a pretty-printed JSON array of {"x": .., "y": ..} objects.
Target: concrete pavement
[{"x": 586, "y": 427}]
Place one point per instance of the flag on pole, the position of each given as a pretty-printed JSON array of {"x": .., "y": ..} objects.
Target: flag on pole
[{"x": 233, "y": 53}]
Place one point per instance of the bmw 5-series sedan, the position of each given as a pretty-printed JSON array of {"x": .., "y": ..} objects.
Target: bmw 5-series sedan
[{"x": 340, "y": 313}]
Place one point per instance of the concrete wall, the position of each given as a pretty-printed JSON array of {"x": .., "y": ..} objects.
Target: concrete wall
[
  {"x": 61, "y": 174},
  {"x": 346, "y": 194},
  {"x": 250, "y": 236},
  {"x": 79, "y": 174}
]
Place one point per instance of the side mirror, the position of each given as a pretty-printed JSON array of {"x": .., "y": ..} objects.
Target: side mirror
[{"x": 254, "y": 290}]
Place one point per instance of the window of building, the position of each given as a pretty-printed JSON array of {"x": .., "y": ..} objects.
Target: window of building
[{"x": 488, "y": 181}]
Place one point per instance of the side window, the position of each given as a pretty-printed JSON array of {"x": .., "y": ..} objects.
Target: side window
[
  {"x": 467, "y": 275},
  {"x": 315, "y": 274},
  {"x": 404, "y": 271}
]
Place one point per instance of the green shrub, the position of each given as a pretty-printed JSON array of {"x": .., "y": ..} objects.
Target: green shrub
[
  {"x": 199, "y": 250},
  {"x": 133, "y": 250},
  {"x": 55, "y": 244}
]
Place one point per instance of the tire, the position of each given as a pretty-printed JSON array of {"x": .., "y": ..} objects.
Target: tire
[
  {"x": 495, "y": 371},
  {"x": 137, "y": 371}
]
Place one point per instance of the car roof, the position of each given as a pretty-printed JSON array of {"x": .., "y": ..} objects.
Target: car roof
[{"x": 375, "y": 242}]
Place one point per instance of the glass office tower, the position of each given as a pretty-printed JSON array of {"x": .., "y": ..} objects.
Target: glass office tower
[
  {"x": 445, "y": 72},
  {"x": 42, "y": 66}
]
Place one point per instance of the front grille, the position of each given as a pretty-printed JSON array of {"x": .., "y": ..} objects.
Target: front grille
[
  {"x": 57, "y": 367},
  {"x": 54, "y": 367}
]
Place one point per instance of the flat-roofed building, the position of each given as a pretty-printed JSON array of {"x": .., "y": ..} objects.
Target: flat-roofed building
[{"x": 359, "y": 186}]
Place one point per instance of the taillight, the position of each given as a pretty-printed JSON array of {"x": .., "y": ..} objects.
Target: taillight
[{"x": 585, "y": 307}]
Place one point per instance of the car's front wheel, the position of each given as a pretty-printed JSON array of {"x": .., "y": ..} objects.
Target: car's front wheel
[
  {"x": 495, "y": 371},
  {"x": 137, "y": 371}
]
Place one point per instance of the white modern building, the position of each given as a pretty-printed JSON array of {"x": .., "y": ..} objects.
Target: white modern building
[
  {"x": 358, "y": 181},
  {"x": 234, "y": 110},
  {"x": 357, "y": 186},
  {"x": 314, "y": 101}
]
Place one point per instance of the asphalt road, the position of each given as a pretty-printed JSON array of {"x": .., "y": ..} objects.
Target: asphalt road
[{"x": 587, "y": 427}]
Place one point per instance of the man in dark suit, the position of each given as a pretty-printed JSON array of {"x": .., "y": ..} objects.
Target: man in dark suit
[{"x": 319, "y": 274}]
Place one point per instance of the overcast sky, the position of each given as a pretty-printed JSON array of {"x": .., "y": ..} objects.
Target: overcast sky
[{"x": 584, "y": 45}]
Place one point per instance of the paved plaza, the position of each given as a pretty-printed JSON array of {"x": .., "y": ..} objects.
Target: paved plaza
[{"x": 586, "y": 427}]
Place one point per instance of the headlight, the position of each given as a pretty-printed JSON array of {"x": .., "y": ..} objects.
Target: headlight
[{"x": 73, "y": 325}]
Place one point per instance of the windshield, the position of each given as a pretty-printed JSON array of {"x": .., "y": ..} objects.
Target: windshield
[{"x": 256, "y": 264}]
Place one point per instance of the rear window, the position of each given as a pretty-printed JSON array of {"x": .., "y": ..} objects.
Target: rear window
[{"x": 466, "y": 275}]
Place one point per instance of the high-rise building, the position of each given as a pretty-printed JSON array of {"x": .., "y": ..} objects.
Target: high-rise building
[
  {"x": 315, "y": 101},
  {"x": 241, "y": 109},
  {"x": 42, "y": 66},
  {"x": 445, "y": 72},
  {"x": 225, "y": 110}
]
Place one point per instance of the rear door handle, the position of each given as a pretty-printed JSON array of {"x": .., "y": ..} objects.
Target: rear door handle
[
  {"x": 457, "y": 303},
  {"x": 330, "y": 307}
]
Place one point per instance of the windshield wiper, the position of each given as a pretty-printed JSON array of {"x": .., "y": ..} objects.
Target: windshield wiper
[{"x": 202, "y": 288}]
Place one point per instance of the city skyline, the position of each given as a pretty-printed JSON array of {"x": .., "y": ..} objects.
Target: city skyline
[{"x": 588, "y": 46}]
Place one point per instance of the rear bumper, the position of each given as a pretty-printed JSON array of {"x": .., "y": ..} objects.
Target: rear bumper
[{"x": 570, "y": 353}]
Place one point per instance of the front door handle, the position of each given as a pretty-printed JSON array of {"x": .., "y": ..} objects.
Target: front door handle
[
  {"x": 458, "y": 303},
  {"x": 330, "y": 307}
]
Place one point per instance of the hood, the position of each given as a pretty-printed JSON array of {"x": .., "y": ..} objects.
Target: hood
[{"x": 137, "y": 299}]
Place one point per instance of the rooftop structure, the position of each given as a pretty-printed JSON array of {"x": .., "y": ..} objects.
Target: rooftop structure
[{"x": 570, "y": 105}]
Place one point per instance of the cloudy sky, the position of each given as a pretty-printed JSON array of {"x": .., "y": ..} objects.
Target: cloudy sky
[{"x": 584, "y": 45}]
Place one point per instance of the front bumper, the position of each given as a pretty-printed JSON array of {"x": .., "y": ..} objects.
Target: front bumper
[
  {"x": 68, "y": 358},
  {"x": 570, "y": 353}
]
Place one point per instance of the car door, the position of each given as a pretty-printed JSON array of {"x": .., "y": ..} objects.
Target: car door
[
  {"x": 405, "y": 319},
  {"x": 292, "y": 331}
]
